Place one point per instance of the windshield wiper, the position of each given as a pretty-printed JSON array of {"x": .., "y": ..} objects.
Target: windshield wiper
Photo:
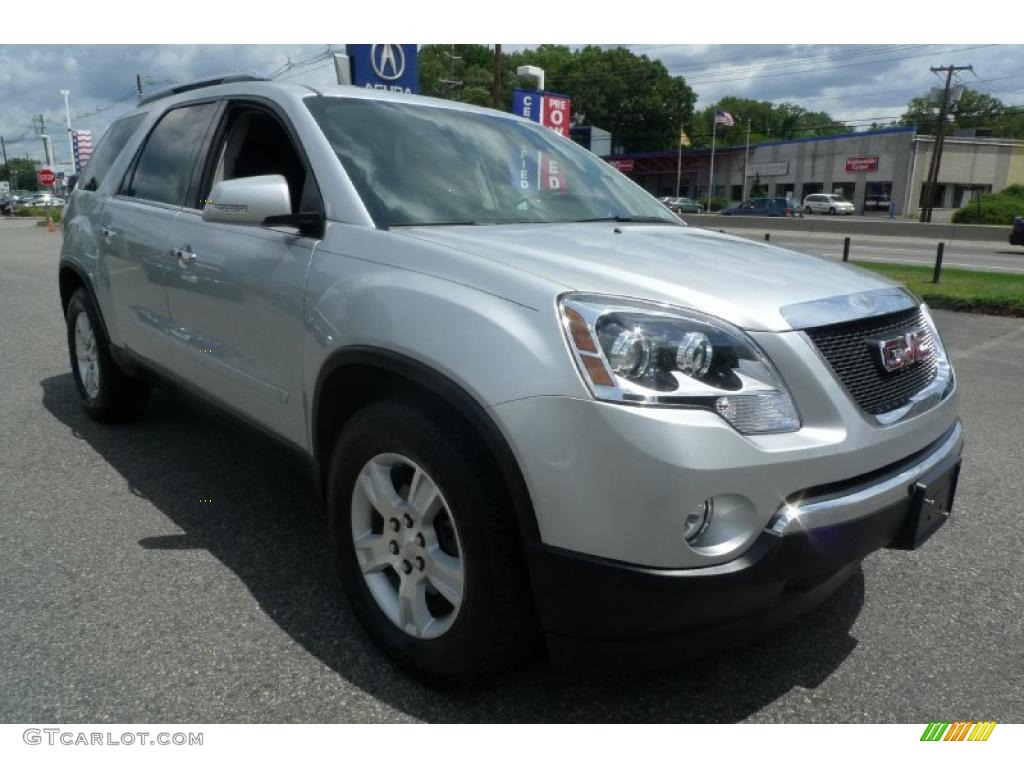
[{"x": 634, "y": 219}]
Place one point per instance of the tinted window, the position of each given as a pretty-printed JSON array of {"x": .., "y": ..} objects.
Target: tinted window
[
  {"x": 164, "y": 168},
  {"x": 417, "y": 164},
  {"x": 109, "y": 148}
]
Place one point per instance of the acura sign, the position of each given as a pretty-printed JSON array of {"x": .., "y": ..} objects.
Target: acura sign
[{"x": 385, "y": 66}]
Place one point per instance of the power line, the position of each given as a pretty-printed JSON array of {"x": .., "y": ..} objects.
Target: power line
[
  {"x": 703, "y": 81},
  {"x": 739, "y": 69}
]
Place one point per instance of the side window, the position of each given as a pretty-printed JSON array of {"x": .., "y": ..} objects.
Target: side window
[
  {"x": 163, "y": 170},
  {"x": 106, "y": 153},
  {"x": 254, "y": 143}
]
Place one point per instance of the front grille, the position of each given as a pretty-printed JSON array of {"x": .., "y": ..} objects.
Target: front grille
[{"x": 855, "y": 361}]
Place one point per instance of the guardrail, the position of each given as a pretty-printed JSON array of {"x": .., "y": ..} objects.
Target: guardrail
[{"x": 853, "y": 225}]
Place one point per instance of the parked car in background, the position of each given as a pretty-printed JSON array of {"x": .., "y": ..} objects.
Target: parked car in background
[
  {"x": 830, "y": 204},
  {"x": 1017, "y": 232},
  {"x": 40, "y": 200},
  {"x": 761, "y": 206},
  {"x": 681, "y": 205}
]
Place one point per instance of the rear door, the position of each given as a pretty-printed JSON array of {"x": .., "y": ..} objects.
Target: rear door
[
  {"x": 237, "y": 305},
  {"x": 137, "y": 228}
]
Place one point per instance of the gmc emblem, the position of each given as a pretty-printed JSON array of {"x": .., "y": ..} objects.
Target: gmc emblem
[{"x": 903, "y": 351}]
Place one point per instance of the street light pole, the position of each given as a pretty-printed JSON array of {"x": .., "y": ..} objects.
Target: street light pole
[
  {"x": 71, "y": 140},
  {"x": 711, "y": 172},
  {"x": 679, "y": 160},
  {"x": 528, "y": 70}
]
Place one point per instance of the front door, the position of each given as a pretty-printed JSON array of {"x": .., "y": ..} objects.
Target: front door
[{"x": 236, "y": 299}]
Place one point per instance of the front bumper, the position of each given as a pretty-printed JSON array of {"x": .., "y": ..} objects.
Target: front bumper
[{"x": 615, "y": 615}]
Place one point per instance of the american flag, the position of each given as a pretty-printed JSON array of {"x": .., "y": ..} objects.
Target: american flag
[
  {"x": 724, "y": 118},
  {"x": 82, "y": 142}
]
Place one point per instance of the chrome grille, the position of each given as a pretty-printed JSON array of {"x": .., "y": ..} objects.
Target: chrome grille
[{"x": 847, "y": 349}]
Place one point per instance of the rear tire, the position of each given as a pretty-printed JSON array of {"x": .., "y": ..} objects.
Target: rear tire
[
  {"x": 107, "y": 392},
  {"x": 807, "y": 210},
  {"x": 489, "y": 627}
]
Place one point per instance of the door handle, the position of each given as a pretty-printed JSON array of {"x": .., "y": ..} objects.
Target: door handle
[
  {"x": 108, "y": 232},
  {"x": 184, "y": 257}
]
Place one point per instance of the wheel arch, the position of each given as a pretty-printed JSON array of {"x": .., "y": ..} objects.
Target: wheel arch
[
  {"x": 355, "y": 376},
  {"x": 71, "y": 277}
]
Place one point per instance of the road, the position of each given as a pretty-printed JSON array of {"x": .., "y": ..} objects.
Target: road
[
  {"x": 170, "y": 570},
  {"x": 990, "y": 257}
]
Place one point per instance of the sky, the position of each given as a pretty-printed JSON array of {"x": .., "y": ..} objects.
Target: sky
[{"x": 855, "y": 83}]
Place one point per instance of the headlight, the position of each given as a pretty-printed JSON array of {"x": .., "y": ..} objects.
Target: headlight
[{"x": 649, "y": 354}]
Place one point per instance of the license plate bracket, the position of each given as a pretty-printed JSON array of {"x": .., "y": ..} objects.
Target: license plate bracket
[{"x": 931, "y": 504}]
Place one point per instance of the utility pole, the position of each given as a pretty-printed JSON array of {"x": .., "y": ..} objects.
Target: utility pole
[
  {"x": 940, "y": 138},
  {"x": 496, "y": 95},
  {"x": 451, "y": 82},
  {"x": 3, "y": 146},
  {"x": 746, "y": 164},
  {"x": 47, "y": 147}
]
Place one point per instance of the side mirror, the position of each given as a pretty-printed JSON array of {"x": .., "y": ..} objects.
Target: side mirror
[{"x": 249, "y": 200}]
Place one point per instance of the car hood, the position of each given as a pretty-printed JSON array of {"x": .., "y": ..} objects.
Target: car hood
[{"x": 742, "y": 281}]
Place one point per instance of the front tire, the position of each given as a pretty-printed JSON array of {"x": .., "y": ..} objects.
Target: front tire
[
  {"x": 106, "y": 391},
  {"x": 427, "y": 545}
]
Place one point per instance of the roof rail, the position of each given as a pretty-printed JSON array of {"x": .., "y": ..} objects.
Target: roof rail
[{"x": 236, "y": 77}]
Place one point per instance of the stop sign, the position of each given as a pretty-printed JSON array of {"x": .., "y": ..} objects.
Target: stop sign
[{"x": 46, "y": 177}]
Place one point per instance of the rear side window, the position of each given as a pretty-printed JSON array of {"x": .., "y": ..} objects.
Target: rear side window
[
  {"x": 164, "y": 168},
  {"x": 106, "y": 153}
]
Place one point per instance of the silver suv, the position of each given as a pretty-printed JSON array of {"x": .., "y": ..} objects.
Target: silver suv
[{"x": 536, "y": 406}]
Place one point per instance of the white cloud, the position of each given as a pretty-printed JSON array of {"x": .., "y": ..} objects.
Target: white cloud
[{"x": 859, "y": 82}]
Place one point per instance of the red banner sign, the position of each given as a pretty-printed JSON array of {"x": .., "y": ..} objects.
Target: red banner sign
[
  {"x": 861, "y": 163},
  {"x": 556, "y": 113},
  {"x": 552, "y": 176},
  {"x": 623, "y": 166}
]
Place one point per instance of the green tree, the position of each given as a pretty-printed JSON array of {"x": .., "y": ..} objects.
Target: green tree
[
  {"x": 21, "y": 173},
  {"x": 768, "y": 122},
  {"x": 632, "y": 96},
  {"x": 972, "y": 110},
  {"x": 459, "y": 72}
]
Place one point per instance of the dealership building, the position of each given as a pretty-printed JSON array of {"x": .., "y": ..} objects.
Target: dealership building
[{"x": 865, "y": 167}]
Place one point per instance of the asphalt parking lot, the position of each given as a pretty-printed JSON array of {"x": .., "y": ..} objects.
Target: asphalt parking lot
[{"x": 171, "y": 570}]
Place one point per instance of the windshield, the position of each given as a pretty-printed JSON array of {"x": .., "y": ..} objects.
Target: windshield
[{"x": 414, "y": 164}]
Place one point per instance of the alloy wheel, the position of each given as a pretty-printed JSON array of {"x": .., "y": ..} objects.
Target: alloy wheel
[
  {"x": 407, "y": 546},
  {"x": 87, "y": 355}
]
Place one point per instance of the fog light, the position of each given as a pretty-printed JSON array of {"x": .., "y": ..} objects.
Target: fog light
[{"x": 698, "y": 521}]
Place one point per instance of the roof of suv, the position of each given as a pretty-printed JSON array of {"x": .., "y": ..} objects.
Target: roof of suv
[{"x": 247, "y": 83}]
